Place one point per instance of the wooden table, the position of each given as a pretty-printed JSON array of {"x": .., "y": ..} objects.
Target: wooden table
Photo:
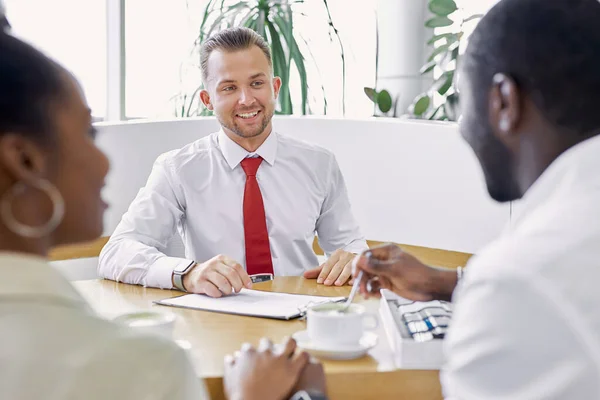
[{"x": 211, "y": 336}]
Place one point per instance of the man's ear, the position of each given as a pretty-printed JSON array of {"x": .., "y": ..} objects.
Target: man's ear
[
  {"x": 205, "y": 98},
  {"x": 22, "y": 158},
  {"x": 505, "y": 106},
  {"x": 276, "y": 86}
]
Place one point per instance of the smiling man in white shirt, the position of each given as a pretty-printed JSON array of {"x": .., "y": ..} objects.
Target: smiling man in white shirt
[
  {"x": 526, "y": 321},
  {"x": 246, "y": 200}
]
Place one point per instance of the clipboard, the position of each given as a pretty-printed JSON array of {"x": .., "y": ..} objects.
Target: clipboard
[{"x": 252, "y": 303}]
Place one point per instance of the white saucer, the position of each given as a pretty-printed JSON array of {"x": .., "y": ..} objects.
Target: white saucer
[{"x": 347, "y": 352}]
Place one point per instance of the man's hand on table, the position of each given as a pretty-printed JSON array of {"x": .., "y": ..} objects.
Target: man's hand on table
[
  {"x": 217, "y": 277},
  {"x": 337, "y": 270},
  {"x": 388, "y": 267},
  {"x": 269, "y": 372}
]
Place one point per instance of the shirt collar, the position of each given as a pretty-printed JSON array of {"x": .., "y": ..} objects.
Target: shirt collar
[
  {"x": 234, "y": 153},
  {"x": 577, "y": 168},
  {"x": 28, "y": 276}
]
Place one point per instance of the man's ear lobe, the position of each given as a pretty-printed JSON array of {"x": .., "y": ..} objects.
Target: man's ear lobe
[
  {"x": 505, "y": 104},
  {"x": 205, "y": 98}
]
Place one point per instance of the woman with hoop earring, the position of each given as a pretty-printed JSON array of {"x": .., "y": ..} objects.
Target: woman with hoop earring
[{"x": 52, "y": 345}]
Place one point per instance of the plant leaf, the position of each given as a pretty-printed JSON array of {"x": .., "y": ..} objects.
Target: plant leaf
[
  {"x": 250, "y": 16},
  {"x": 451, "y": 55},
  {"x": 442, "y": 7},
  {"x": 438, "y": 22},
  {"x": 280, "y": 68},
  {"x": 396, "y": 101},
  {"x": 282, "y": 26},
  {"x": 194, "y": 96},
  {"x": 472, "y": 17},
  {"x": 223, "y": 15},
  {"x": 421, "y": 104},
  {"x": 371, "y": 94},
  {"x": 323, "y": 91},
  {"x": 342, "y": 55},
  {"x": 428, "y": 67},
  {"x": 250, "y": 23},
  {"x": 450, "y": 37},
  {"x": 438, "y": 50},
  {"x": 454, "y": 51},
  {"x": 384, "y": 101},
  {"x": 433, "y": 114},
  {"x": 207, "y": 13},
  {"x": 444, "y": 82},
  {"x": 260, "y": 24},
  {"x": 296, "y": 57}
]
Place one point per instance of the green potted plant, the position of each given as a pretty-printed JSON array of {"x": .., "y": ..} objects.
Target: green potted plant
[
  {"x": 274, "y": 20},
  {"x": 383, "y": 101},
  {"x": 440, "y": 101}
]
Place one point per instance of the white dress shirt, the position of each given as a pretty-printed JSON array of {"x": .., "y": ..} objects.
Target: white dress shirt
[
  {"x": 527, "y": 316},
  {"x": 198, "y": 191},
  {"x": 53, "y": 346}
]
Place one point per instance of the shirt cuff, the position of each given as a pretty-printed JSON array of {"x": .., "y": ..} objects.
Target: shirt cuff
[{"x": 160, "y": 273}]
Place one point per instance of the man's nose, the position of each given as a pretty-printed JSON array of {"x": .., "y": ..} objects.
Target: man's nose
[{"x": 246, "y": 97}]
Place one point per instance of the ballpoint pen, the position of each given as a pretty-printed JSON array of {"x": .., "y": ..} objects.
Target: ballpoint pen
[{"x": 355, "y": 286}]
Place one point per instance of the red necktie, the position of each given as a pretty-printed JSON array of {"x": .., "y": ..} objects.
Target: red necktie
[{"x": 258, "y": 251}]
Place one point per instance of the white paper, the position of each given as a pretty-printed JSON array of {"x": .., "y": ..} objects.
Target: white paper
[{"x": 251, "y": 302}]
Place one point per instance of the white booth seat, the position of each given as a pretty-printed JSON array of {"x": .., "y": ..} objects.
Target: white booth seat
[{"x": 410, "y": 182}]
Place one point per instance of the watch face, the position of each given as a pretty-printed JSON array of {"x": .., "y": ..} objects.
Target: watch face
[
  {"x": 303, "y": 395},
  {"x": 186, "y": 268},
  {"x": 256, "y": 278}
]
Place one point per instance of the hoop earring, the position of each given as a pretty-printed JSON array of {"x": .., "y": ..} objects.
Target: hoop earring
[{"x": 35, "y": 232}]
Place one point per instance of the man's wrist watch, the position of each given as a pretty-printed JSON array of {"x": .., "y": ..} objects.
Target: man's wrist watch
[
  {"x": 304, "y": 395},
  {"x": 178, "y": 274}
]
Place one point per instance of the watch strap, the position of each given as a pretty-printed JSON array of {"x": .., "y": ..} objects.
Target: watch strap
[{"x": 179, "y": 274}]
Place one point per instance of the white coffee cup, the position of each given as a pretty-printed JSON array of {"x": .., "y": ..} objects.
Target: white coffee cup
[
  {"x": 329, "y": 325},
  {"x": 152, "y": 322}
]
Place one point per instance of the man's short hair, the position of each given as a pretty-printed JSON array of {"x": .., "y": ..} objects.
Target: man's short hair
[
  {"x": 551, "y": 48},
  {"x": 230, "y": 40}
]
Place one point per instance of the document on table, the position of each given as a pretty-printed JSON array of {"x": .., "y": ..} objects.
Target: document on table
[{"x": 253, "y": 303}]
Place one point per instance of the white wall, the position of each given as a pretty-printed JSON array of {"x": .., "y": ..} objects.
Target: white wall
[
  {"x": 409, "y": 182},
  {"x": 402, "y": 49}
]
